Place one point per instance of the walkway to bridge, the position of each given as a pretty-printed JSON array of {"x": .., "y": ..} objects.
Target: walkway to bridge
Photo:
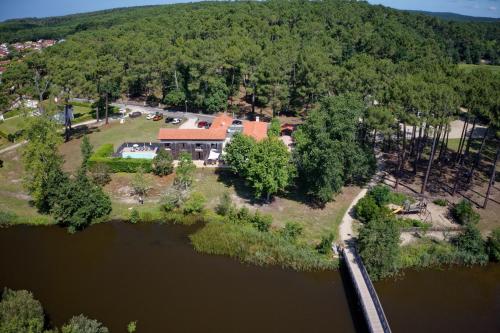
[{"x": 368, "y": 299}]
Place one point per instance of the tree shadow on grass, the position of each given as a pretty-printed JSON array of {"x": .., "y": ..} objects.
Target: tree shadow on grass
[
  {"x": 245, "y": 192},
  {"x": 80, "y": 131}
]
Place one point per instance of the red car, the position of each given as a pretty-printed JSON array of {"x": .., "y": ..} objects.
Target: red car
[
  {"x": 203, "y": 124},
  {"x": 158, "y": 117}
]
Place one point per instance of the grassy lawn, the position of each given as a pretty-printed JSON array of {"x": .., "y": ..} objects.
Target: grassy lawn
[
  {"x": 138, "y": 129},
  {"x": 13, "y": 197},
  {"x": 11, "y": 125},
  {"x": 469, "y": 67},
  {"x": 289, "y": 207}
]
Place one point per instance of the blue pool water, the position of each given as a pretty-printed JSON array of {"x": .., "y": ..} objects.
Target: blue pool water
[{"x": 139, "y": 154}]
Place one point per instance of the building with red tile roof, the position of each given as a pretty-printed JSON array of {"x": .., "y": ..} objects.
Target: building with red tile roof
[{"x": 200, "y": 142}]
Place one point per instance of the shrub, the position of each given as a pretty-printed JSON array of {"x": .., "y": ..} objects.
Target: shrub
[
  {"x": 225, "y": 205},
  {"x": 274, "y": 127},
  {"x": 132, "y": 326},
  {"x": 140, "y": 184},
  {"x": 7, "y": 218},
  {"x": 20, "y": 312},
  {"x": 381, "y": 194},
  {"x": 194, "y": 204},
  {"x": 366, "y": 209},
  {"x": 325, "y": 245},
  {"x": 118, "y": 164},
  {"x": 261, "y": 222},
  {"x": 494, "y": 245},
  {"x": 471, "y": 246},
  {"x": 134, "y": 216},
  {"x": 163, "y": 163},
  {"x": 173, "y": 198},
  {"x": 291, "y": 231},
  {"x": 379, "y": 247},
  {"x": 82, "y": 324},
  {"x": 441, "y": 202},
  {"x": 464, "y": 213},
  {"x": 100, "y": 174}
]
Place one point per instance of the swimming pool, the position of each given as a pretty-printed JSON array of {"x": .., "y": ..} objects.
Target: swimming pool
[{"x": 139, "y": 154}]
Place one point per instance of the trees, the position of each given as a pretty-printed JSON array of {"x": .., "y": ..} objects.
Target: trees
[
  {"x": 82, "y": 324},
  {"x": 20, "y": 312},
  {"x": 80, "y": 202},
  {"x": 86, "y": 149},
  {"x": 42, "y": 163},
  {"x": 163, "y": 163},
  {"x": 269, "y": 168},
  {"x": 328, "y": 151},
  {"x": 184, "y": 171},
  {"x": 274, "y": 128},
  {"x": 378, "y": 243},
  {"x": 237, "y": 153}
]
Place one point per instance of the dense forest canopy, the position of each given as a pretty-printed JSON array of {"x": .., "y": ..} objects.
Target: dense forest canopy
[{"x": 286, "y": 54}]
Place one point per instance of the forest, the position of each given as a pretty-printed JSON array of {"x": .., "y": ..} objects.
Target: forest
[{"x": 284, "y": 55}]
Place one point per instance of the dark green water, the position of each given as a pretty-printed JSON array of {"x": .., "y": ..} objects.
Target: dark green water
[{"x": 119, "y": 272}]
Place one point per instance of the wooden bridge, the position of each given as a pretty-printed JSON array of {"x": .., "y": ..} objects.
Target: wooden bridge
[{"x": 372, "y": 309}]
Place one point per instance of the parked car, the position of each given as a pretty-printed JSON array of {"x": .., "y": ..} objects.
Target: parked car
[
  {"x": 135, "y": 114},
  {"x": 158, "y": 117},
  {"x": 237, "y": 122},
  {"x": 169, "y": 120},
  {"x": 150, "y": 116},
  {"x": 203, "y": 124},
  {"x": 176, "y": 121}
]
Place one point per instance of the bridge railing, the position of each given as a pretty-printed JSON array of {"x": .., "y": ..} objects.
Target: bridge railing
[{"x": 373, "y": 292}]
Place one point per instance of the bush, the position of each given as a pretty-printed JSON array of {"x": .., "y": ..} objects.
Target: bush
[
  {"x": 118, "y": 164},
  {"x": 366, "y": 209},
  {"x": 494, "y": 245},
  {"x": 471, "y": 246},
  {"x": 291, "y": 231},
  {"x": 82, "y": 324},
  {"x": 194, "y": 204},
  {"x": 173, "y": 198},
  {"x": 261, "y": 222},
  {"x": 441, "y": 202},
  {"x": 100, "y": 174},
  {"x": 20, "y": 312},
  {"x": 379, "y": 247},
  {"x": 464, "y": 213},
  {"x": 247, "y": 244},
  {"x": 163, "y": 163},
  {"x": 325, "y": 245},
  {"x": 225, "y": 205},
  {"x": 134, "y": 216},
  {"x": 7, "y": 218},
  {"x": 381, "y": 194}
]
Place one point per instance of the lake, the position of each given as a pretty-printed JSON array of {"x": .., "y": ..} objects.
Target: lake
[{"x": 119, "y": 272}]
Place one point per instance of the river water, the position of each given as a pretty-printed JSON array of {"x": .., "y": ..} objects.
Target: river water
[{"x": 118, "y": 272}]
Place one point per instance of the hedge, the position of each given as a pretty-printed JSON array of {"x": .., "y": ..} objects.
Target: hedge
[{"x": 118, "y": 164}]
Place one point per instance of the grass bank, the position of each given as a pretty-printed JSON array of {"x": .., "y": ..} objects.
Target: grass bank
[{"x": 244, "y": 242}]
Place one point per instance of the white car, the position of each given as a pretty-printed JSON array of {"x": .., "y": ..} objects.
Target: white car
[
  {"x": 176, "y": 121},
  {"x": 150, "y": 116}
]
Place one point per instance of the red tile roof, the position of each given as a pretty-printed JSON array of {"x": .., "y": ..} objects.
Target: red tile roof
[
  {"x": 216, "y": 132},
  {"x": 255, "y": 129}
]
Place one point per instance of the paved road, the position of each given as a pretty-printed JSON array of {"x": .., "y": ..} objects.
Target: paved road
[{"x": 166, "y": 113}]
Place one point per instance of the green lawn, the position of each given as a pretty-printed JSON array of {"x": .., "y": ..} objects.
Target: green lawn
[
  {"x": 290, "y": 207},
  {"x": 11, "y": 125},
  {"x": 469, "y": 67},
  {"x": 137, "y": 129}
]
